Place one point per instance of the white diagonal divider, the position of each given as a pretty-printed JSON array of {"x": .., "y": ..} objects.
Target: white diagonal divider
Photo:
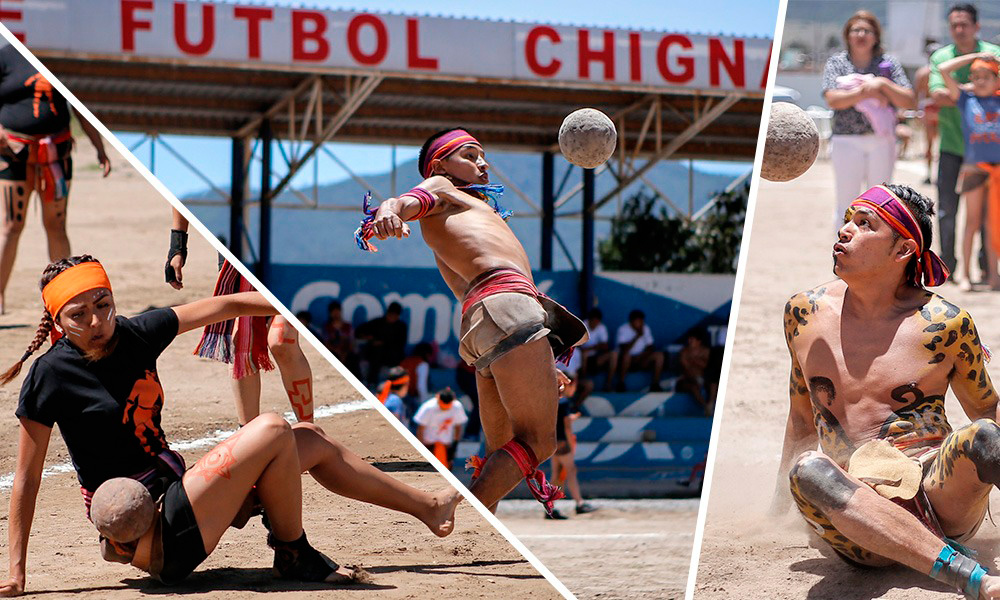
[{"x": 359, "y": 95}]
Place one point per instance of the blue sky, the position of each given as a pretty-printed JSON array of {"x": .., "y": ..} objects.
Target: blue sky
[
  {"x": 737, "y": 17},
  {"x": 741, "y": 17}
]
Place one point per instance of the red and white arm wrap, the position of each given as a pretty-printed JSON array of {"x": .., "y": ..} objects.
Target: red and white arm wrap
[{"x": 426, "y": 200}]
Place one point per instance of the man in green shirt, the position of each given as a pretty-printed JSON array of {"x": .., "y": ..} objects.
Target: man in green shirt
[{"x": 963, "y": 23}]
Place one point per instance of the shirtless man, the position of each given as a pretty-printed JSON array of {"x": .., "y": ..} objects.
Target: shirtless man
[
  {"x": 509, "y": 331},
  {"x": 873, "y": 354}
]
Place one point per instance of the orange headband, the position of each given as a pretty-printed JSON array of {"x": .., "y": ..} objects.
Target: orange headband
[
  {"x": 387, "y": 386},
  {"x": 990, "y": 65},
  {"x": 73, "y": 282}
]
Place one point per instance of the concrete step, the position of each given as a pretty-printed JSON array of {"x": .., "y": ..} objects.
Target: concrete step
[
  {"x": 622, "y": 470},
  {"x": 619, "y": 455}
]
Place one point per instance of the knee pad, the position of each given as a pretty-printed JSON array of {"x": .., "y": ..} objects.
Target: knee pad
[
  {"x": 984, "y": 451},
  {"x": 821, "y": 482}
]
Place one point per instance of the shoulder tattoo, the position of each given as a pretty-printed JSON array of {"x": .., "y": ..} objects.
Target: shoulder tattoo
[{"x": 798, "y": 309}]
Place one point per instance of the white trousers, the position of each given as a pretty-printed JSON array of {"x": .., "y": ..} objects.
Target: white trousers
[{"x": 859, "y": 162}]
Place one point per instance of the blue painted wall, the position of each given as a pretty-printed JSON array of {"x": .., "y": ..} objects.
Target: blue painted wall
[{"x": 433, "y": 313}]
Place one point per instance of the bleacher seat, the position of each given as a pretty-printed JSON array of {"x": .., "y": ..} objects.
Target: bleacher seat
[{"x": 631, "y": 444}]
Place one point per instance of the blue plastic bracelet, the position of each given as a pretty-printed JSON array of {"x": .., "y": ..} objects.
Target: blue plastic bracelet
[{"x": 975, "y": 581}]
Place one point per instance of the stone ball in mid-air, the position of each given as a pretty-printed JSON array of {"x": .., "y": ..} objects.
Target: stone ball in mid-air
[
  {"x": 792, "y": 143},
  {"x": 587, "y": 138},
  {"x": 122, "y": 509}
]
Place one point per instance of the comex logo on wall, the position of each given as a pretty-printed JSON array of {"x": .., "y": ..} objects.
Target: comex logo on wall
[{"x": 435, "y": 317}]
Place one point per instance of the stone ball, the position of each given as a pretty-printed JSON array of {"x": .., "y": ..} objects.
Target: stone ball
[
  {"x": 587, "y": 138},
  {"x": 122, "y": 509},
  {"x": 792, "y": 143}
]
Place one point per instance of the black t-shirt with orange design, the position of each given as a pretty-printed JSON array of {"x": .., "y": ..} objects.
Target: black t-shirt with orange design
[
  {"x": 108, "y": 411},
  {"x": 28, "y": 102}
]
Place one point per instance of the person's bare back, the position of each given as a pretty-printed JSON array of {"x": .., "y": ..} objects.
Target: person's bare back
[{"x": 870, "y": 378}]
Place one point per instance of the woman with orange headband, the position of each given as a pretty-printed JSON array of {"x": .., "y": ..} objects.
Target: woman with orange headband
[
  {"x": 979, "y": 106},
  {"x": 99, "y": 382}
]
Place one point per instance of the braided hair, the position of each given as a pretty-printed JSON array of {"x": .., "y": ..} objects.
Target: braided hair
[{"x": 48, "y": 321}]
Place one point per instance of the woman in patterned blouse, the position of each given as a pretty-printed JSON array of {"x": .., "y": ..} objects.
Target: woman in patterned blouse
[{"x": 864, "y": 87}]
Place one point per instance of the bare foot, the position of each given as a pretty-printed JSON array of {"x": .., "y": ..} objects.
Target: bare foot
[
  {"x": 990, "y": 587},
  {"x": 342, "y": 574},
  {"x": 440, "y": 516}
]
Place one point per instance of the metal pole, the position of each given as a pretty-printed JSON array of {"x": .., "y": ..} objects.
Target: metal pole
[
  {"x": 392, "y": 185},
  {"x": 690, "y": 187},
  {"x": 587, "y": 259},
  {"x": 264, "y": 247},
  {"x": 548, "y": 208},
  {"x": 236, "y": 197}
]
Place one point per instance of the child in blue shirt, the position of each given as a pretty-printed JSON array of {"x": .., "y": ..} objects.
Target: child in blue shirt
[{"x": 979, "y": 105}]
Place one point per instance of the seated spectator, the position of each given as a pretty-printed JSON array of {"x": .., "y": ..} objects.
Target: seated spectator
[
  {"x": 418, "y": 366},
  {"x": 695, "y": 358},
  {"x": 307, "y": 319},
  {"x": 714, "y": 372},
  {"x": 635, "y": 347},
  {"x": 597, "y": 353},
  {"x": 392, "y": 390},
  {"x": 338, "y": 337},
  {"x": 440, "y": 421},
  {"x": 385, "y": 341}
]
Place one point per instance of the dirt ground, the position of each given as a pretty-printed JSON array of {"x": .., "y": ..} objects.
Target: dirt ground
[
  {"x": 124, "y": 222},
  {"x": 744, "y": 553},
  {"x": 627, "y": 549}
]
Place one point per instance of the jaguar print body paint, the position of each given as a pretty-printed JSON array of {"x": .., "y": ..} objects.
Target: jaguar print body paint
[
  {"x": 919, "y": 420},
  {"x": 832, "y": 438},
  {"x": 951, "y": 334},
  {"x": 848, "y": 378}
]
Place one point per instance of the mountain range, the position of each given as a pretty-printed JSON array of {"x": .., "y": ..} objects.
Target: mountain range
[{"x": 325, "y": 235}]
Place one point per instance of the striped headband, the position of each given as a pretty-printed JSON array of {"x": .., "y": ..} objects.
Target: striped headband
[
  {"x": 445, "y": 145},
  {"x": 898, "y": 216},
  {"x": 71, "y": 283}
]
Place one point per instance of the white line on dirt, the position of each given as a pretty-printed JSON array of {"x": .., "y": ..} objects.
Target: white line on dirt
[
  {"x": 600, "y": 536},
  {"x": 328, "y": 410}
]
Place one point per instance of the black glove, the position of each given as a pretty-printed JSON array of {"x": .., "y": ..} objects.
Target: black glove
[{"x": 178, "y": 245}]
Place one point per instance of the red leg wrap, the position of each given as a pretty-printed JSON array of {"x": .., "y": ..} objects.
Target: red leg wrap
[{"x": 542, "y": 490}]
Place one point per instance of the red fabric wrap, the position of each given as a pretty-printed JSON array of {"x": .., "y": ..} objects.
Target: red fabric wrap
[
  {"x": 499, "y": 281},
  {"x": 898, "y": 216},
  {"x": 426, "y": 202},
  {"x": 542, "y": 490},
  {"x": 248, "y": 353},
  {"x": 50, "y": 181}
]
